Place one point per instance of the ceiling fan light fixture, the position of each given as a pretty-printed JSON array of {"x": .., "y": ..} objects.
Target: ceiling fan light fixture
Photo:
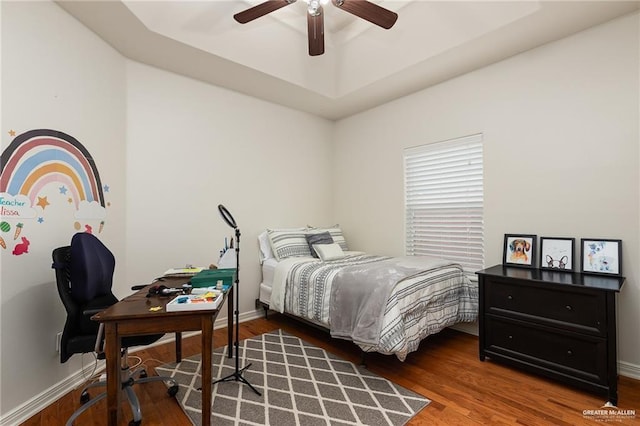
[
  {"x": 314, "y": 6},
  {"x": 315, "y": 18}
]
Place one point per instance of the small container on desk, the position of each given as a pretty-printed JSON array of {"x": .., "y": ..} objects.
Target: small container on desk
[
  {"x": 210, "y": 278},
  {"x": 195, "y": 302}
]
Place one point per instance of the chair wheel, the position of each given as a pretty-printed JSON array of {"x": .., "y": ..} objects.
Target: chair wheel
[
  {"x": 173, "y": 390},
  {"x": 143, "y": 374},
  {"x": 84, "y": 397},
  {"x": 135, "y": 423}
]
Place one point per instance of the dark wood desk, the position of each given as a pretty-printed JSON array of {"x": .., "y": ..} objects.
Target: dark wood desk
[{"x": 131, "y": 317}]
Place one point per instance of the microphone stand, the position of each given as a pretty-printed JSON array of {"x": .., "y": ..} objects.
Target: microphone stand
[{"x": 237, "y": 374}]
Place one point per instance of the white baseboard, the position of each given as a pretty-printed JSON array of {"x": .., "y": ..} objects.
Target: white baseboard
[
  {"x": 34, "y": 405},
  {"x": 466, "y": 327},
  {"x": 49, "y": 396},
  {"x": 627, "y": 369}
]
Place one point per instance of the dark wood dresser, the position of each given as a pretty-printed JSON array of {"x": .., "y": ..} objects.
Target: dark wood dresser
[{"x": 558, "y": 324}]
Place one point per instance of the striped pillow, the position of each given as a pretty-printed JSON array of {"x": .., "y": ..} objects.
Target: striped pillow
[{"x": 288, "y": 243}]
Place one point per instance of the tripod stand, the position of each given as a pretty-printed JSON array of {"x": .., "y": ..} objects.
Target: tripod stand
[{"x": 237, "y": 374}]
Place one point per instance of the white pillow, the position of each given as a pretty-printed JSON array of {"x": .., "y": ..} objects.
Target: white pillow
[
  {"x": 265, "y": 246},
  {"x": 329, "y": 251}
]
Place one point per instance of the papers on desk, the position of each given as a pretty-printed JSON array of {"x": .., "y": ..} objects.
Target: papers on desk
[
  {"x": 196, "y": 302},
  {"x": 182, "y": 272}
]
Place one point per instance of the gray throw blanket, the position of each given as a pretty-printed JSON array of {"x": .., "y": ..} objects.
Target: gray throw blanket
[{"x": 359, "y": 294}]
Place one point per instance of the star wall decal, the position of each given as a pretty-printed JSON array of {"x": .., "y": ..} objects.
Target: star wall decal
[
  {"x": 63, "y": 190},
  {"x": 106, "y": 188},
  {"x": 12, "y": 132},
  {"x": 40, "y": 219},
  {"x": 42, "y": 202}
]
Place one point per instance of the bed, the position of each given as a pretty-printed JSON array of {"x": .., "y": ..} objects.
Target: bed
[{"x": 383, "y": 304}]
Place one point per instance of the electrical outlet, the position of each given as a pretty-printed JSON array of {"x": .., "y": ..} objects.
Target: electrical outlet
[{"x": 58, "y": 340}]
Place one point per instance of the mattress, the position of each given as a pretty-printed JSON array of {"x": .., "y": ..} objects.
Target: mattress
[{"x": 268, "y": 270}]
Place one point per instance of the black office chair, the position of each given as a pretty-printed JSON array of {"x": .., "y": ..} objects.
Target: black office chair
[{"x": 84, "y": 275}]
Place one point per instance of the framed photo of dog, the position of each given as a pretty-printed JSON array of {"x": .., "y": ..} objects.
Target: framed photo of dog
[
  {"x": 603, "y": 257},
  {"x": 557, "y": 253},
  {"x": 519, "y": 250}
]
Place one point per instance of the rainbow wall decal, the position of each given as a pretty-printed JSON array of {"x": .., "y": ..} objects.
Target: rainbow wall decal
[{"x": 39, "y": 157}]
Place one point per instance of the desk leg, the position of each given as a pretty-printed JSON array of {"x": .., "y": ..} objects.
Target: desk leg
[
  {"x": 230, "y": 307},
  {"x": 112, "y": 353},
  {"x": 207, "y": 349},
  {"x": 178, "y": 346}
]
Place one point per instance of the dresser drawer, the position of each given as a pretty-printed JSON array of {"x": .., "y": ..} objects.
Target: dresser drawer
[
  {"x": 560, "y": 325},
  {"x": 571, "y": 354},
  {"x": 583, "y": 312}
]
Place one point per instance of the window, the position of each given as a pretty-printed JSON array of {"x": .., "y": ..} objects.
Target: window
[{"x": 444, "y": 201}]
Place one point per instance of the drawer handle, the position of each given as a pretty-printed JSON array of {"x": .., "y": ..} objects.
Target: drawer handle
[
  {"x": 569, "y": 353},
  {"x": 510, "y": 337},
  {"x": 510, "y": 297},
  {"x": 569, "y": 308}
]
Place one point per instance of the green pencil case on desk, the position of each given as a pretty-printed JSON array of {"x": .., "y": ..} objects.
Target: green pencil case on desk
[{"x": 210, "y": 277}]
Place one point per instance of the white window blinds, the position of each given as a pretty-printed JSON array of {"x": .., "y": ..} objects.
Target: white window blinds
[{"x": 444, "y": 201}]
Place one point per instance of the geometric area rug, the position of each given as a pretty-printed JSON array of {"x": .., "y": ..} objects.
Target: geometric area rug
[{"x": 300, "y": 383}]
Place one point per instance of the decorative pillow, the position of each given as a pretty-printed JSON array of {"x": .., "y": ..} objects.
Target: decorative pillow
[
  {"x": 288, "y": 243},
  {"x": 318, "y": 238},
  {"x": 336, "y": 235},
  {"x": 329, "y": 251}
]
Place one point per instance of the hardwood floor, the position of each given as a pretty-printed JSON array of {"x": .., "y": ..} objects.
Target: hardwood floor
[{"x": 446, "y": 369}]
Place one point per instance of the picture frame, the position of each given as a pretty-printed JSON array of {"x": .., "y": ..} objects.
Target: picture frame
[
  {"x": 519, "y": 250},
  {"x": 601, "y": 256},
  {"x": 557, "y": 253}
]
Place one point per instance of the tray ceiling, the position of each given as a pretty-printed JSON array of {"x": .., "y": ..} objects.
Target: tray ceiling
[{"x": 363, "y": 65}]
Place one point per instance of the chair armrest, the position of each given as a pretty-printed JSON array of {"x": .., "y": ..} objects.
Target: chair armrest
[{"x": 91, "y": 312}]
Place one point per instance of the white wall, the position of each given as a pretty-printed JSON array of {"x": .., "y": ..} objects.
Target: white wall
[
  {"x": 192, "y": 146},
  {"x": 55, "y": 75},
  {"x": 563, "y": 118},
  {"x": 181, "y": 146},
  {"x": 561, "y": 156}
]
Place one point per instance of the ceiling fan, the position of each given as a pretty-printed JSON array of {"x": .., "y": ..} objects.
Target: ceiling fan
[{"x": 315, "y": 19}]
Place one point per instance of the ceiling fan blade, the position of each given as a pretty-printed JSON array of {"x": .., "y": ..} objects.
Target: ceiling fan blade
[
  {"x": 261, "y": 10},
  {"x": 315, "y": 29},
  {"x": 368, "y": 11}
]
